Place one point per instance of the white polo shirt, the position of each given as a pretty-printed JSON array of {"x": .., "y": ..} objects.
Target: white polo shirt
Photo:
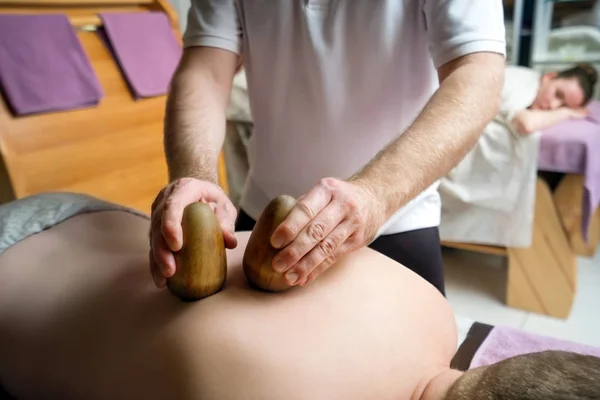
[{"x": 331, "y": 82}]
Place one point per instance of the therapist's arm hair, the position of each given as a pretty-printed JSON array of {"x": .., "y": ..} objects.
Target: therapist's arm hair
[
  {"x": 529, "y": 121},
  {"x": 442, "y": 134},
  {"x": 195, "y": 118},
  {"x": 548, "y": 375}
]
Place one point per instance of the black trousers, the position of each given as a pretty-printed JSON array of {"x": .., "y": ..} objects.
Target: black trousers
[{"x": 419, "y": 250}]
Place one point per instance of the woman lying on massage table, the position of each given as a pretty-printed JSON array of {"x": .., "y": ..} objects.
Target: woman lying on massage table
[
  {"x": 532, "y": 101},
  {"x": 80, "y": 318}
]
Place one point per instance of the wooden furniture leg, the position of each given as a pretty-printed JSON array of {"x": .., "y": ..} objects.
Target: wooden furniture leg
[
  {"x": 543, "y": 277},
  {"x": 568, "y": 198}
]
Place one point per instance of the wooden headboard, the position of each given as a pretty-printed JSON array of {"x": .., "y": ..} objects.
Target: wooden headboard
[{"x": 114, "y": 150}]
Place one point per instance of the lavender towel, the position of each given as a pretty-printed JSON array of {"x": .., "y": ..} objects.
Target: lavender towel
[
  {"x": 145, "y": 48},
  {"x": 573, "y": 147},
  {"x": 43, "y": 67},
  {"x": 503, "y": 342}
]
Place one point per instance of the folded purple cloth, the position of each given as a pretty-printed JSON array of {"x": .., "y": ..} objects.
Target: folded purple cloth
[
  {"x": 43, "y": 67},
  {"x": 573, "y": 147},
  {"x": 503, "y": 342},
  {"x": 145, "y": 48}
]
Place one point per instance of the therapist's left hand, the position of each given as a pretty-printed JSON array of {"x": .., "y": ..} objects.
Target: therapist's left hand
[{"x": 334, "y": 218}]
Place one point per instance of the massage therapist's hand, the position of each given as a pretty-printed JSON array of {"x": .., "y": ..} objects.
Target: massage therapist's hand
[
  {"x": 166, "y": 235},
  {"x": 334, "y": 218}
]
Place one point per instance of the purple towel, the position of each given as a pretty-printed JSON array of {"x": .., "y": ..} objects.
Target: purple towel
[
  {"x": 146, "y": 50},
  {"x": 43, "y": 67},
  {"x": 573, "y": 147},
  {"x": 503, "y": 342}
]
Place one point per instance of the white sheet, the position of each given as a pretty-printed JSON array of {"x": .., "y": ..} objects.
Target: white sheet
[{"x": 489, "y": 197}]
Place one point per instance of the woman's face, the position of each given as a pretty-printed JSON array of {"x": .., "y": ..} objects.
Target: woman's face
[{"x": 558, "y": 92}]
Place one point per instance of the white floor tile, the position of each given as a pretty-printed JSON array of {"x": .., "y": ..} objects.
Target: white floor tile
[
  {"x": 476, "y": 283},
  {"x": 475, "y": 287}
]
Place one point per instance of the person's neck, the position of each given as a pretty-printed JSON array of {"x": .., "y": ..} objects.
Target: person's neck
[{"x": 438, "y": 386}]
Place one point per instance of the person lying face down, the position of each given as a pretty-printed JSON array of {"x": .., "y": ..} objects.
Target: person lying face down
[
  {"x": 80, "y": 318},
  {"x": 560, "y": 96}
]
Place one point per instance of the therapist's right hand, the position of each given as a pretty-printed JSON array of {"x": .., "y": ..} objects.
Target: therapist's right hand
[{"x": 166, "y": 234}]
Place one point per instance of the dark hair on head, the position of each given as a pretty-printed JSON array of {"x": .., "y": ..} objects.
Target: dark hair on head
[
  {"x": 548, "y": 375},
  {"x": 586, "y": 76}
]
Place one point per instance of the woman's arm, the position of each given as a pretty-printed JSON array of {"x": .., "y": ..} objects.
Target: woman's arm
[{"x": 529, "y": 121}]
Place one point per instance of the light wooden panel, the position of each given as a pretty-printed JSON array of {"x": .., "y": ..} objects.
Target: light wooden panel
[
  {"x": 568, "y": 197},
  {"x": 82, "y": 12},
  {"x": 113, "y": 151},
  {"x": 543, "y": 278},
  {"x": 478, "y": 248}
]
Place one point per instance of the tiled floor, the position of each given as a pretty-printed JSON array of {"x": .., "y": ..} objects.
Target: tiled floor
[{"x": 475, "y": 285}]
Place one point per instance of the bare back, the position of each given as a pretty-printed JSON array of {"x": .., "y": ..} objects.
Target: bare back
[{"x": 81, "y": 318}]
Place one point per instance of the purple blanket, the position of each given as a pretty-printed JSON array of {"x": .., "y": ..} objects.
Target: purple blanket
[
  {"x": 503, "y": 342},
  {"x": 145, "y": 48},
  {"x": 43, "y": 67},
  {"x": 573, "y": 147}
]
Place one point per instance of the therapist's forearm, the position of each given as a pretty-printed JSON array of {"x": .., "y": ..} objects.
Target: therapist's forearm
[
  {"x": 195, "y": 123},
  {"x": 443, "y": 133}
]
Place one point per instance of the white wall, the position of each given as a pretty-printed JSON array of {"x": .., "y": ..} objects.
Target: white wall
[{"x": 181, "y": 6}]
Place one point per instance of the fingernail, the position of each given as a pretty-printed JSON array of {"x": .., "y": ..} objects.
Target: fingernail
[
  {"x": 279, "y": 265},
  {"x": 276, "y": 242},
  {"x": 292, "y": 277}
]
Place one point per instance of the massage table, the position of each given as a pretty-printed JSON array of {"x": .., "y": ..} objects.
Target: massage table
[
  {"x": 114, "y": 150},
  {"x": 543, "y": 277}
]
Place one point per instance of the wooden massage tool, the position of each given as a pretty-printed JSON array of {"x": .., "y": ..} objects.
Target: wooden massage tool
[{"x": 202, "y": 261}]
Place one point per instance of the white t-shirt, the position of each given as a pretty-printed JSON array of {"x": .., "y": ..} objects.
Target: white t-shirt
[{"x": 331, "y": 82}]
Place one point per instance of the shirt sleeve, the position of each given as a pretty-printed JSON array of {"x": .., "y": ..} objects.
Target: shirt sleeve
[
  {"x": 460, "y": 27},
  {"x": 214, "y": 23}
]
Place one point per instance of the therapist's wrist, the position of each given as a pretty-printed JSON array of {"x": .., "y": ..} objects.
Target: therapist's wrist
[
  {"x": 204, "y": 170},
  {"x": 379, "y": 190}
]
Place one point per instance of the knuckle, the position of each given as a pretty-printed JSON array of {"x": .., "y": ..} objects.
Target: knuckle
[
  {"x": 328, "y": 183},
  {"x": 316, "y": 231},
  {"x": 292, "y": 254},
  {"x": 305, "y": 209},
  {"x": 351, "y": 207},
  {"x": 302, "y": 269},
  {"x": 329, "y": 261},
  {"x": 327, "y": 246},
  {"x": 169, "y": 203}
]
